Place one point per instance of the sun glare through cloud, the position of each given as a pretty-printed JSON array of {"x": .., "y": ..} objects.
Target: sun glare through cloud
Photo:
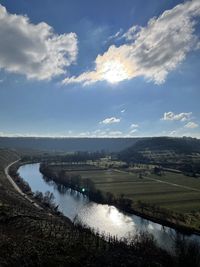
[
  {"x": 119, "y": 78},
  {"x": 100, "y": 133},
  {"x": 114, "y": 72},
  {"x": 145, "y": 51}
]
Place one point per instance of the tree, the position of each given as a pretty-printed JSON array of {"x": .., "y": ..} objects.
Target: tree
[
  {"x": 48, "y": 198},
  {"x": 157, "y": 170}
]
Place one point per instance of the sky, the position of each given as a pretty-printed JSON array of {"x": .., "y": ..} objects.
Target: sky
[{"x": 125, "y": 68}]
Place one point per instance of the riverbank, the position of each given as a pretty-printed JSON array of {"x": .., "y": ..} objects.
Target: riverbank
[
  {"x": 30, "y": 237},
  {"x": 122, "y": 203}
]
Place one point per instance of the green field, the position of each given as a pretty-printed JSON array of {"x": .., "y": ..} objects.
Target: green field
[{"x": 170, "y": 190}]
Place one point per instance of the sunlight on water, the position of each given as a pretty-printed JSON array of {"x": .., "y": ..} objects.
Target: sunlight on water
[{"x": 102, "y": 218}]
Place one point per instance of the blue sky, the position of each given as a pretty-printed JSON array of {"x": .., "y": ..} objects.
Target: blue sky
[{"x": 99, "y": 68}]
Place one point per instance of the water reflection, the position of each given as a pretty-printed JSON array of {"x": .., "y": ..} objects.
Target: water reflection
[
  {"x": 103, "y": 218},
  {"x": 61, "y": 189}
]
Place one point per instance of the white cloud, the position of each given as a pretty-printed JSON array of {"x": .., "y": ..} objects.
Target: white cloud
[
  {"x": 131, "y": 34},
  {"x": 103, "y": 134},
  {"x": 6, "y": 134},
  {"x": 184, "y": 131},
  {"x": 152, "y": 51},
  {"x": 100, "y": 133},
  {"x": 34, "y": 49},
  {"x": 84, "y": 134},
  {"x": 134, "y": 125},
  {"x": 115, "y": 133},
  {"x": 173, "y": 133},
  {"x": 191, "y": 125},
  {"x": 170, "y": 116},
  {"x": 133, "y": 131},
  {"x": 115, "y": 36},
  {"x": 110, "y": 120}
]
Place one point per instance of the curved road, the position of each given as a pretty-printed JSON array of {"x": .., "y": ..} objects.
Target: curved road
[{"x": 16, "y": 186}]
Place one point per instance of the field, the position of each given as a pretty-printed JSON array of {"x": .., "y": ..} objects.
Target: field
[
  {"x": 170, "y": 190},
  {"x": 32, "y": 237}
]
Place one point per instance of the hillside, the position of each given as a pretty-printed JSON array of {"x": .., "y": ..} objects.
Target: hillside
[
  {"x": 67, "y": 144},
  {"x": 179, "y": 153},
  {"x": 178, "y": 145},
  {"x": 32, "y": 237}
]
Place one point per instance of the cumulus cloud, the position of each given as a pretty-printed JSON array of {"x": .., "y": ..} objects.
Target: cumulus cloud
[
  {"x": 152, "y": 51},
  {"x": 110, "y": 120},
  {"x": 191, "y": 125},
  {"x": 34, "y": 49},
  {"x": 170, "y": 116},
  {"x": 131, "y": 34},
  {"x": 134, "y": 125}
]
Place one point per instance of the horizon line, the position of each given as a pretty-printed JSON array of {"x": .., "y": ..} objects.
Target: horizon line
[{"x": 92, "y": 137}]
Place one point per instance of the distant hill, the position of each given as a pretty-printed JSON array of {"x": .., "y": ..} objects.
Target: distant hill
[
  {"x": 178, "y": 145},
  {"x": 68, "y": 144},
  {"x": 167, "y": 151}
]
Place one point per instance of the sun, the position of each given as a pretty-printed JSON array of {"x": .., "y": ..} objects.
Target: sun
[{"x": 114, "y": 71}]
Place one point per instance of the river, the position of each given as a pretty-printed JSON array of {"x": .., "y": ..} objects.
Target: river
[{"x": 103, "y": 218}]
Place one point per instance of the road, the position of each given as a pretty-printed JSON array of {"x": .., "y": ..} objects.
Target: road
[{"x": 16, "y": 186}]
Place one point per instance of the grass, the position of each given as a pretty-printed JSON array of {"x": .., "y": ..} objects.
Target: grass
[
  {"x": 160, "y": 190},
  {"x": 31, "y": 237},
  {"x": 180, "y": 179}
]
